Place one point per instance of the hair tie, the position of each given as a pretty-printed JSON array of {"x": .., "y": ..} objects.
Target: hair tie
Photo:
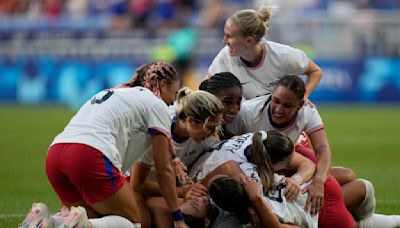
[{"x": 264, "y": 135}]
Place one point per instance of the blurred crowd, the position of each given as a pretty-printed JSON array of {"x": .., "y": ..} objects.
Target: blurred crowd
[{"x": 127, "y": 14}]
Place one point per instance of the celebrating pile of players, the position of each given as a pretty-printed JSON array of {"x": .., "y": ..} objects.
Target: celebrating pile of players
[{"x": 248, "y": 149}]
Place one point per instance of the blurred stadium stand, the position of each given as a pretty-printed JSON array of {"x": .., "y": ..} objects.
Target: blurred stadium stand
[{"x": 64, "y": 51}]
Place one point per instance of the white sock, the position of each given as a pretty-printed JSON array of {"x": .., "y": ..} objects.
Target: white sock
[
  {"x": 112, "y": 221},
  {"x": 380, "y": 221},
  {"x": 367, "y": 208}
]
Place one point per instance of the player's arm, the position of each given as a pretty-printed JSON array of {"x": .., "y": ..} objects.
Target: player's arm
[
  {"x": 314, "y": 75},
  {"x": 165, "y": 173},
  {"x": 315, "y": 190},
  {"x": 142, "y": 184},
  {"x": 320, "y": 144},
  {"x": 304, "y": 166},
  {"x": 305, "y": 172},
  {"x": 263, "y": 215}
]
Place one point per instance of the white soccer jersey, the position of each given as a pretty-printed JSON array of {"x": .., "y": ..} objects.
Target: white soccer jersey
[
  {"x": 232, "y": 149},
  {"x": 117, "y": 122},
  {"x": 235, "y": 149},
  {"x": 278, "y": 60},
  {"x": 253, "y": 116},
  {"x": 291, "y": 212},
  {"x": 187, "y": 150}
]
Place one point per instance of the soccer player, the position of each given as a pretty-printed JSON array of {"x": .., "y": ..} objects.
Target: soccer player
[
  {"x": 261, "y": 154},
  {"x": 197, "y": 117},
  {"x": 227, "y": 87},
  {"x": 259, "y": 63},
  {"x": 109, "y": 133}
]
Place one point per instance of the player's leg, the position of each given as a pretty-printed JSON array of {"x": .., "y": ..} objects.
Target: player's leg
[
  {"x": 360, "y": 199},
  {"x": 100, "y": 186},
  {"x": 334, "y": 212},
  {"x": 343, "y": 175}
]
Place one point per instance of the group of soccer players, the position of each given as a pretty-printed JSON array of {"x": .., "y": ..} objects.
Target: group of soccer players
[{"x": 235, "y": 152}]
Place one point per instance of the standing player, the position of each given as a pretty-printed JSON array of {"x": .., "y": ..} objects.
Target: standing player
[
  {"x": 259, "y": 63},
  {"x": 108, "y": 134}
]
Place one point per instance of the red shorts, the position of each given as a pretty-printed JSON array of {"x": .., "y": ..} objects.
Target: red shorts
[
  {"x": 79, "y": 172},
  {"x": 334, "y": 213}
]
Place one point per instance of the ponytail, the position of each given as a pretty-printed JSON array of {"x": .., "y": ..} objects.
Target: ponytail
[{"x": 260, "y": 157}]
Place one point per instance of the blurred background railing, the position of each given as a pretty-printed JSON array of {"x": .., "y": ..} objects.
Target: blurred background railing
[{"x": 63, "y": 51}]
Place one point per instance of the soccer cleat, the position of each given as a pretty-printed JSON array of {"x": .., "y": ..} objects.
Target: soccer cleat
[
  {"x": 76, "y": 219},
  {"x": 38, "y": 217}
]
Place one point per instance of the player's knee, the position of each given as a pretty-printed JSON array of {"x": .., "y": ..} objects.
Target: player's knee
[{"x": 343, "y": 175}]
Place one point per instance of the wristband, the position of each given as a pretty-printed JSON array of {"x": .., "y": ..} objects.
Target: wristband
[
  {"x": 298, "y": 178},
  {"x": 177, "y": 215}
]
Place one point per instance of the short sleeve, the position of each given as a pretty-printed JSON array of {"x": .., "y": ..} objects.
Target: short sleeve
[
  {"x": 250, "y": 170},
  {"x": 218, "y": 64},
  {"x": 297, "y": 62},
  {"x": 158, "y": 119},
  {"x": 314, "y": 121}
]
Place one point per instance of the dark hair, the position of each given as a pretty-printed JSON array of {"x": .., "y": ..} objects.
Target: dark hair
[
  {"x": 219, "y": 82},
  {"x": 293, "y": 83},
  {"x": 266, "y": 152},
  {"x": 229, "y": 195}
]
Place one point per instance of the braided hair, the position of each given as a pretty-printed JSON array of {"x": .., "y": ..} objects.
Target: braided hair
[
  {"x": 149, "y": 75},
  {"x": 220, "y": 82}
]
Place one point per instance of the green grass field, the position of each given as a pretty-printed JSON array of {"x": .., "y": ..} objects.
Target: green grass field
[{"x": 364, "y": 138}]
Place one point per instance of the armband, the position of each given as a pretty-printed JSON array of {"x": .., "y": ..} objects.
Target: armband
[
  {"x": 298, "y": 178},
  {"x": 177, "y": 215}
]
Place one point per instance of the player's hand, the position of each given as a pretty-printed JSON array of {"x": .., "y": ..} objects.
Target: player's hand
[
  {"x": 308, "y": 102},
  {"x": 196, "y": 190},
  {"x": 196, "y": 206},
  {"x": 292, "y": 190},
  {"x": 315, "y": 200},
  {"x": 252, "y": 187}
]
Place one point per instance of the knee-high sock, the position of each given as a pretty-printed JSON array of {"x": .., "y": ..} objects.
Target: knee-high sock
[
  {"x": 380, "y": 221},
  {"x": 112, "y": 221}
]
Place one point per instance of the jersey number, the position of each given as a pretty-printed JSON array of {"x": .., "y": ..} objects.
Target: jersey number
[{"x": 104, "y": 98}]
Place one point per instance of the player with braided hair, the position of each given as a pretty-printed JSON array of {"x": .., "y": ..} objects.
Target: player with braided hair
[{"x": 109, "y": 133}]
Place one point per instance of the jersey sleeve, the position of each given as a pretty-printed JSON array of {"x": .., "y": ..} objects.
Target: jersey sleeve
[
  {"x": 158, "y": 120},
  {"x": 314, "y": 121},
  {"x": 250, "y": 170},
  {"x": 297, "y": 61},
  {"x": 218, "y": 64}
]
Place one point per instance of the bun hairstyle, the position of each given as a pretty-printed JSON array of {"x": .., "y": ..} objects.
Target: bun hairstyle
[
  {"x": 218, "y": 83},
  {"x": 149, "y": 75},
  {"x": 199, "y": 104},
  {"x": 253, "y": 23},
  {"x": 264, "y": 153},
  {"x": 229, "y": 195}
]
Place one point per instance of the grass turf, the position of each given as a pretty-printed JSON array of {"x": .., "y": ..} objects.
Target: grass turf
[{"x": 364, "y": 138}]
